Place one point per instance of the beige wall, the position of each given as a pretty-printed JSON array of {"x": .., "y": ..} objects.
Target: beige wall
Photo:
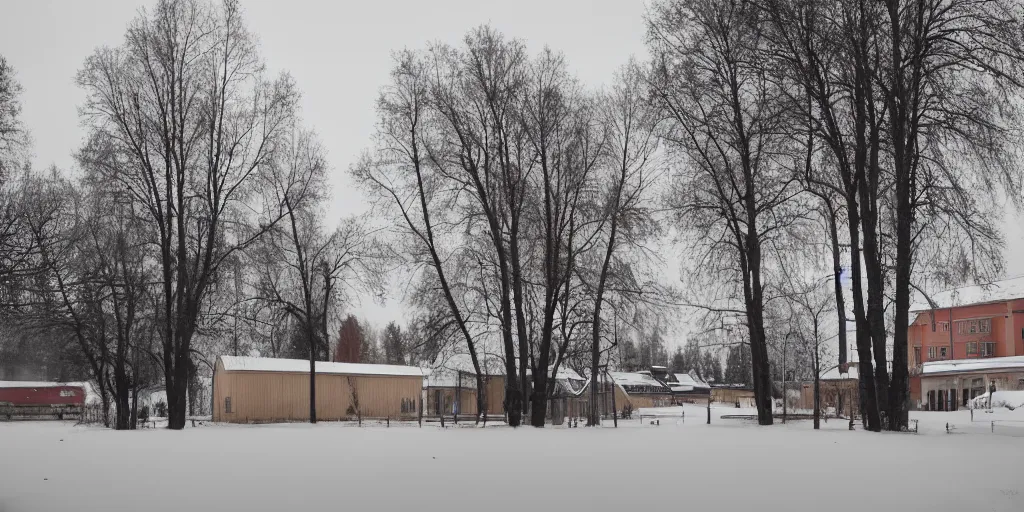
[
  {"x": 730, "y": 396},
  {"x": 258, "y": 397},
  {"x": 494, "y": 385},
  {"x": 833, "y": 393},
  {"x": 495, "y": 395}
]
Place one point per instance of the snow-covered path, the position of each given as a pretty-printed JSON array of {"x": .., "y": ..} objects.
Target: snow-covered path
[{"x": 729, "y": 465}]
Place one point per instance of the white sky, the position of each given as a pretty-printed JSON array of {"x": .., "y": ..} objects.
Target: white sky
[{"x": 338, "y": 52}]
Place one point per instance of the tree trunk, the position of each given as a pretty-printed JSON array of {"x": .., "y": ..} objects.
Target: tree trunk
[
  {"x": 869, "y": 404},
  {"x": 837, "y": 268},
  {"x": 312, "y": 383},
  {"x": 904, "y": 122},
  {"x": 177, "y": 392},
  {"x": 817, "y": 376},
  {"x": 121, "y": 400}
]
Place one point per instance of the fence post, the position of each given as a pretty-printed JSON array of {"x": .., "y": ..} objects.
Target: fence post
[
  {"x": 389, "y": 422},
  {"x": 993, "y": 427},
  {"x": 709, "y": 409},
  {"x": 419, "y": 416}
]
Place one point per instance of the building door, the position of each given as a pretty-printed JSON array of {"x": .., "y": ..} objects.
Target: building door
[{"x": 952, "y": 400}]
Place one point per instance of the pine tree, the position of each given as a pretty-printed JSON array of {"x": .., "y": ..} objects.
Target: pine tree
[
  {"x": 679, "y": 363},
  {"x": 394, "y": 344}
]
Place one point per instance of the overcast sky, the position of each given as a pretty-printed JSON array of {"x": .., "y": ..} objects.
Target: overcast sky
[{"x": 340, "y": 55}]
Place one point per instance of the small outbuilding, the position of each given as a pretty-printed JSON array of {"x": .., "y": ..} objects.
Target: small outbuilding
[
  {"x": 265, "y": 390},
  {"x": 41, "y": 400}
]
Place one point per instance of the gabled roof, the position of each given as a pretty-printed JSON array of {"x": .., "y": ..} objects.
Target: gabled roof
[
  {"x": 636, "y": 379},
  {"x": 685, "y": 379},
  {"x": 997, "y": 291},
  {"x": 267, "y": 364}
]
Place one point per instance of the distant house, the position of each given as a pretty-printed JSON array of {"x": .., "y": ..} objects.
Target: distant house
[
  {"x": 838, "y": 390},
  {"x": 41, "y": 400},
  {"x": 265, "y": 390},
  {"x": 640, "y": 389},
  {"x": 689, "y": 388},
  {"x": 971, "y": 323},
  {"x": 738, "y": 394},
  {"x": 450, "y": 386}
]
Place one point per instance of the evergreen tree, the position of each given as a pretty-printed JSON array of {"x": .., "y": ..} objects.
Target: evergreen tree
[
  {"x": 679, "y": 363},
  {"x": 394, "y": 344},
  {"x": 737, "y": 366}
]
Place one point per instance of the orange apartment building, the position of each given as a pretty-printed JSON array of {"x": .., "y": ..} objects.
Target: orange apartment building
[{"x": 964, "y": 341}]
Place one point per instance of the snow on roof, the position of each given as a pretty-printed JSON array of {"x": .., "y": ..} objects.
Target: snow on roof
[
  {"x": 266, "y": 364},
  {"x": 39, "y": 384},
  {"x": 834, "y": 374},
  {"x": 563, "y": 374},
  {"x": 973, "y": 365},
  {"x": 489, "y": 365},
  {"x": 685, "y": 379},
  {"x": 997, "y": 291},
  {"x": 635, "y": 379},
  {"x": 444, "y": 378}
]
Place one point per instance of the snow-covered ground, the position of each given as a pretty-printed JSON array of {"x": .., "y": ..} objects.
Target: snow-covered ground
[{"x": 679, "y": 465}]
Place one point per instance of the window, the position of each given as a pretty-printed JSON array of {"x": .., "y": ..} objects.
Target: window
[
  {"x": 942, "y": 352},
  {"x": 973, "y": 327},
  {"x": 961, "y": 327},
  {"x": 943, "y": 326},
  {"x": 972, "y": 348},
  {"x": 931, "y": 353},
  {"x": 227, "y": 405},
  {"x": 985, "y": 325},
  {"x": 917, "y": 356},
  {"x": 988, "y": 348}
]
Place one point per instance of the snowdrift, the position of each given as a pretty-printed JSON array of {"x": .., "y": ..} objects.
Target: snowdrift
[{"x": 1008, "y": 399}]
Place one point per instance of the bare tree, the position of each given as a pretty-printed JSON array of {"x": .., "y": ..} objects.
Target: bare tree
[
  {"x": 15, "y": 247},
  {"x": 712, "y": 85},
  {"x": 631, "y": 144},
  {"x": 565, "y": 137},
  {"x": 193, "y": 119},
  {"x": 810, "y": 306},
  {"x": 406, "y": 182},
  {"x": 13, "y": 138},
  {"x": 827, "y": 50},
  {"x": 307, "y": 269},
  {"x": 952, "y": 86}
]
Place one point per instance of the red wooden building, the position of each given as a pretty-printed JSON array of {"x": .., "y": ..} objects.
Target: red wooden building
[{"x": 40, "y": 400}]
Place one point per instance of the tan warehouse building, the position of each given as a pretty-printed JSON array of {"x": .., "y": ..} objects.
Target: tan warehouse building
[{"x": 265, "y": 390}]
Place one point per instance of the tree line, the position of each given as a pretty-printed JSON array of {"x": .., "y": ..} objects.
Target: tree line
[{"x": 790, "y": 149}]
